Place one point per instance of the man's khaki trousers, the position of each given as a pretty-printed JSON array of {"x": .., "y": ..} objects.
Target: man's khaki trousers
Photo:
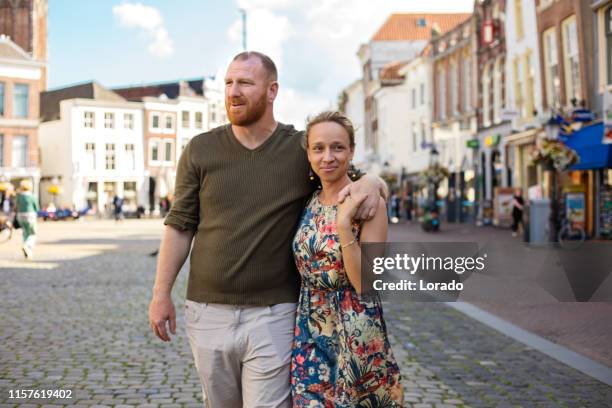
[{"x": 242, "y": 353}]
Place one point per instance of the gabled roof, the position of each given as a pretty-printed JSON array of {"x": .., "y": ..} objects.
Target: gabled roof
[
  {"x": 391, "y": 72},
  {"x": 50, "y": 100},
  {"x": 417, "y": 26},
  {"x": 10, "y": 50},
  {"x": 171, "y": 89}
]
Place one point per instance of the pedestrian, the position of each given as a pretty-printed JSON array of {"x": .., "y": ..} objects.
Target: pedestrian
[
  {"x": 118, "y": 208},
  {"x": 339, "y": 331},
  {"x": 408, "y": 204},
  {"x": 517, "y": 211},
  {"x": 239, "y": 192},
  {"x": 395, "y": 207},
  {"x": 27, "y": 215}
]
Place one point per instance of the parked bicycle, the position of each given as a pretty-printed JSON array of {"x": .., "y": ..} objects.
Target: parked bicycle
[
  {"x": 570, "y": 236},
  {"x": 6, "y": 229}
]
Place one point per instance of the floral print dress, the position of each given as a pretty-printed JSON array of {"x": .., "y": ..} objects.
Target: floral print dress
[{"x": 341, "y": 354}]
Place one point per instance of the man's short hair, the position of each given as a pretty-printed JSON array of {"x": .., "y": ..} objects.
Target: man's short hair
[{"x": 266, "y": 61}]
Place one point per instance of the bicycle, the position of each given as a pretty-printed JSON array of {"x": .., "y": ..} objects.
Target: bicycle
[
  {"x": 570, "y": 236},
  {"x": 6, "y": 229}
]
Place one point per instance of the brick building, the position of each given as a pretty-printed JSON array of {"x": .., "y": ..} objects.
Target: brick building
[{"x": 454, "y": 78}]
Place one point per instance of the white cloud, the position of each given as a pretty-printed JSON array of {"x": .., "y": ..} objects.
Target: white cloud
[
  {"x": 151, "y": 22},
  {"x": 294, "y": 107},
  {"x": 266, "y": 32}
]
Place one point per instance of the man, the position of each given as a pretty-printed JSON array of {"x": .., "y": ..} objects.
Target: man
[{"x": 240, "y": 190}]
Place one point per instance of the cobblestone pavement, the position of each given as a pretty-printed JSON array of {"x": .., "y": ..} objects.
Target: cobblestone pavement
[{"x": 75, "y": 319}]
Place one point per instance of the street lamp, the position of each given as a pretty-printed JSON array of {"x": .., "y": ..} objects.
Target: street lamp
[{"x": 552, "y": 133}]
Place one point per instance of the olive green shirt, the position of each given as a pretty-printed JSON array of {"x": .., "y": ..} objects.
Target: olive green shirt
[{"x": 244, "y": 206}]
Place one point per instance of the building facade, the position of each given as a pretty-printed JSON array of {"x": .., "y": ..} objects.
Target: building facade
[
  {"x": 401, "y": 38},
  {"x": 91, "y": 141},
  {"x": 350, "y": 102},
  {"x": 454, "y": 111},
  {"x": 21, "y": 79}
]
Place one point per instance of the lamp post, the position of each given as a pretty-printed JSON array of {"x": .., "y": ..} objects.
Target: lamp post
[
  {"x": 552, "y": 133},
  {"x": 434, "y": 160}
]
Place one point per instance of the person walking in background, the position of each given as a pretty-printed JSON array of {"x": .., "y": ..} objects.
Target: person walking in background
[
  {"x": 27, "y": 214},
  {"x": 517, "y": 211},
  {"x": 118, "y": 207},
  {"x": 408, "y": 204}
]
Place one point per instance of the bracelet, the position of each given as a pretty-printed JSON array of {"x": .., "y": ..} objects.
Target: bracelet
[{"x": 349, "y": 244}]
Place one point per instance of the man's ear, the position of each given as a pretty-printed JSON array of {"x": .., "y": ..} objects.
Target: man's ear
[{"x": 272, "y": 91}]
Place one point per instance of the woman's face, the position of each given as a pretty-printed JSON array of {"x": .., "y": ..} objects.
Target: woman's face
[{"x": 329, "y": 151}]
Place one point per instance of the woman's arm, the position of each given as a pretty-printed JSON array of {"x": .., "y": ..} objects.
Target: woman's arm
[{"x": 374, "y": 230}]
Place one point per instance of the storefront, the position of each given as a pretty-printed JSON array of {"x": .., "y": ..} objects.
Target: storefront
[{"x": 587, "y": 185}]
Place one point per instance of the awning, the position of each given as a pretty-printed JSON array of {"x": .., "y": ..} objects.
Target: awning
[{"x": 592, "y": 152}]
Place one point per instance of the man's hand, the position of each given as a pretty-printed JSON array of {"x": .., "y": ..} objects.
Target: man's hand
[
  {"x": 372, "y": 188},
  {"x": 161, "y": 310}
]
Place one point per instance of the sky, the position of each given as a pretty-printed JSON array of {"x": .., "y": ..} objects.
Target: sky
[{"x": 313, "y": 42}]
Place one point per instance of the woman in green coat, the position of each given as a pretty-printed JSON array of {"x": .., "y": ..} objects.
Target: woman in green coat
[{"x": 27, "y": 214}]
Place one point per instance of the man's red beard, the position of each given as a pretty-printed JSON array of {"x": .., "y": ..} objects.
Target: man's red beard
[{"x": 250, "y": 113}]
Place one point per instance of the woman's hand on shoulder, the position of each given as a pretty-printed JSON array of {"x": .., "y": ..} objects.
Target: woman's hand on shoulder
[{"x": 347, "y": 210}]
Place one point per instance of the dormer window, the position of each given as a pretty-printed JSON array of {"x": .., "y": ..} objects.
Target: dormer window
[{"x": 421, "y": 22}]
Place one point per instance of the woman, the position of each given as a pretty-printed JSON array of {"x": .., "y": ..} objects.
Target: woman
[
  {"x": 341, "y": 355},
  {"x": 517, "y": 211},
  {"x": 27, "y": 214}
]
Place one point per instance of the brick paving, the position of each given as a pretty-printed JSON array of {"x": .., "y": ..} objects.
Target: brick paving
[{"x": 75, "y": 318}]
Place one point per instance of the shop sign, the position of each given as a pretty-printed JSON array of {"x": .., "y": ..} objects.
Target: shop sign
[
  {"x": 583, "y": 115},
  {"x": 492, "y": 140},
  {"x": 472, "y": 144}
]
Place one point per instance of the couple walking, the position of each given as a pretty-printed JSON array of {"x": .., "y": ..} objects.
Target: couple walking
[{"x": 244, "y": 198}]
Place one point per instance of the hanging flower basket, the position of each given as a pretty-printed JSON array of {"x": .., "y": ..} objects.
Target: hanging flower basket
[
  {"x": 433, "y": 174},
  {"x": 554, "y": 155}
]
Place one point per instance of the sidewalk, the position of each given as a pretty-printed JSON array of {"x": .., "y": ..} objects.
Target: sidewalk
[{"x": 585, "y": 327}]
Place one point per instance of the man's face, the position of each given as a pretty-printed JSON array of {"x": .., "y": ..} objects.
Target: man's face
[{"x": 248, "y": 91}]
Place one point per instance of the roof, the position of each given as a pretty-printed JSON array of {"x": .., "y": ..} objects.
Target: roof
[
  {"x": 50, "y": 100},
  {"x": 10, "y": 50},
  {"x": 172, "y": 90},
  {"x": 390, "y": 71},
  {"x": 417, "y": 26}
]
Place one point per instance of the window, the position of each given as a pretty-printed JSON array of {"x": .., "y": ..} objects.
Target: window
[
  {"x": 168, "y": 150},
  {"x": 518, "y": 18},
  {"x": 571, "y": 60},
  {"x": 467, "y": 85},
  {"x": 20, "y": 100},
  {"x": 169, "y": 122},
  {"x": 20, "y": 151},
  {"x": 497, "y": 91},
  {"x": 185, "y": 119},
  {"x": 154, "y": 150},
  {"x": 414, "y": 137},
  {"x": 529, "y": 85},
  {"x": 109, "y": 120},
  {"x": 130, "y": 157},
  {"x": 198, "y": 120},
  {"x": 213, "y": 114},
  {"x": 1, "y": 98},
  {"x": 110, "y": 156},
  {"x": 441, "y": 95},
  {"x": 128, "y": 121},
  {"x": 90, "y": 156},
  {"x": 551, "y": 69},
  {"x": 453, "y": 89},
  {"x": 1, "y": 150},
  {"x": 89, "y": 119},
  {"x": 422, "y": 94},
  {"x": 423, "y": 133},
  {"x": 414, "y": 101},
  {"x": 608, "y": 27},
  {"x": 486, "y": 95},
  {"x": 155, "y": 121},
  {"x": 518, "y": 87}
]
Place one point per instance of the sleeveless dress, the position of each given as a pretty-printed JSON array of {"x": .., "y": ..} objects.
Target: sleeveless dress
[{"x": 341, "y": 355}]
